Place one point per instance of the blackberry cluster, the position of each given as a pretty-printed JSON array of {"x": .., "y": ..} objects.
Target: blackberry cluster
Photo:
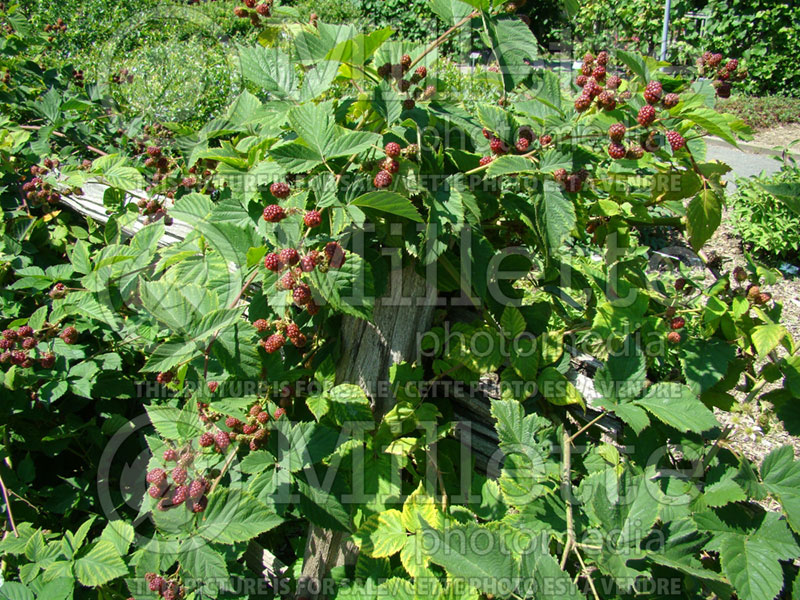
[
  {"x": 166, "y": 589},
  {"x": 571, "y": 182},
  {"x": 55, "y": 29},
  {"x": 153, "y": 210},
  {"x": 594, "y": 74},
  {"x": 173, "y": 487},
  {"x": 711, "y": 65},
  {"x": 19, "y": 346},
  {"x": 124, "y": 76},
  {"x": 409, "y": 86},
  {"x": 258, "y": 10}
]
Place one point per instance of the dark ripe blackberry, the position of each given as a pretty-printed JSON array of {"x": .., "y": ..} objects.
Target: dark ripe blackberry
[
  {"x": 714, "y": 60},
  {"x": 206, "y": 440},
  {"x": 170, "y": 455},
  {"x": 485, "y": 160},
  {"x": 273, "y": 262},
  {"x": 680, "y": 283},
  {"x": 162, "y": 164},
  {"x": 18, "y": 357},
  {"x": 723, "y": 89},
  {"x": 262, "y": 417},
  {"x": 25, "y": 331},
  {"x": 616, "y": 132},
  {"x": 222, "y": 440},
  {"x": 646, "y": 116},
  {"x": 607, "y": 100},
  {"x": 574, "y": 183},
  {"x": 312, "y": 308},
  {"x": 652, "y": 92},
  {"x": 385, "y": 70},
  {"x": 179, "y": 475},
  {"x": 673, "y": 337},
  {"x": 164, "y": 377},
  {"x": 581, "y": 80},
  {"x": 522, "y": 145},
  {"x": 312, "y": 218},
  {"x": 403, "y": 85},
  {"x": 261, "y": 325},
  {"x": 307, "y": 264},
  {"x": 280, "y": 190},
  {"x": 249, "y": 429},
  {"x": 69, "y": 335},
  {"x": 273, "y": 343},
  {"x": 391, "y": 165},
  {"x": 583, "y": 102},
  {"x": 671, "y": 100},
  {"x": 9, "y": 334},
  {"x": 409, "y": 104},
  {"x": 274, "y": 214},
  {"x": 289, "y": 256},
  {"x": 154, "y": 151},
  {"x": 616, "y": 150},
  {"x": 47, "y": 360},
  {"x": 383, "y": 179},
  {"x": 157, "y": 584},
  {"x": 29, "y": 343},
  {"x": 732, "y": 65},
  {"x": 301, "y": 294},
  {"x": 232, "y": 422},
  {"x": 602, "y": 58},
  {"x": 405, "y": 62},
  {"x": 5, "y": 357},
  {"x": 197, "y": 488},
  {"x": 335, "y": 254},
  {"x": 676, "y": 140},
  {"x": 263, "y": 9},
  {"x": 588, "y": 58},
  {"x": 286, "y": 282},
  {"x": 739, "y": 274}
]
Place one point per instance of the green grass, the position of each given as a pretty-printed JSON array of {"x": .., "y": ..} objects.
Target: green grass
[{"x": 763, "y": 112}]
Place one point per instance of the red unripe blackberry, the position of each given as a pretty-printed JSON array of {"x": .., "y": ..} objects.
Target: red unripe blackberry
[
  {"x": 199, "y": 505},
  {"x": 581, "y": 80},
  {"x": 292, "y": 330},
  {"x": 180, "y": 495},
  {"x": 197, "y": 488},
  {"x": 261, "y": 325},
  {"x": 261, "y": 433},
  {"x": 273, "y": 343},
  {"x": 206, "y": 440},
  {"x": 498, "y": 146},
  {"x": 740, "y": 274},
  {"x": 599, "y": 72},
  {"x": 249, "y": 429},
  {"x": 289, "y": 256},
  {"x": 18, "y": 357},
  {"x": 250, "y": 3},
  {"x": 9, "y": 334},
  {"x": 422, "y": 72},
  {"x": 254, "y": 445},
  {"x": 487, "y": 134},
  {"x": 170, "y": 455},
  {"x": 393, "y": 149},
  {"x": 390, "y": 165},
  {"x": 25, "y": 331},
  {"x": 405, "y": 62},
  {"x": 6, "y": 344},
  {"x": 232, "y": 422},
  {"x": 279, "y": 412},
  {"x": 753, "y": 292},
  {"x": 5, "y": 357},
  {"x": 616, "y": 150},
  {"x": 485, "y": 160},
  {"x": 58, "y": 291},
  {"x": 574, "y": 183},
  {"x": 189, "y": 182},
  {"x": 583, "y": 102},
  {"x": 254, "y": 410},
  {"x": 312, "y": 308},
  {"x": 279, "y": 189},
  {"x": 545, "y": 140},
  {"x": 274, "y": 213},
  {"x": 586, "y": 69},
  {"x": 764, "y": 297},
  {"x": 715, "y": 59},
  {"x": 616, "y": 132},
  {"x": 335, "y": 255},
  {"x": 312, "y": 218},
  {"x": 607, "y": 100},
  {"x": 732, "y": 65},
  {"x": 677, "y": 323},
  {"x": 222, "y": 440},
  {"x": 299, "y": 341},
  {"x": 263, "y": 9},
  {"x": 273, "y": 262},
  {"x": 262, "y": 417},
  {"x": 156, "y": 476},
  {"x": 652, "y": 92},
  {"x": 522, "y": 145},
  {"x": 670, "y": 312},
  {"x": 157, "y": 584},
  {"x": 154, "y": 151},
  {"x": 156, "y": 491},
  {"x": 680, "y": 283},
  {"x": 164, "y": 377},
  {"x": 723, "y": 75},
  {"x": 671, "y": 100},
  {"x": 673, "y": 337},
  {"x": 179, "y": 475},
  {"x": 602, "y": 58},
  {"x": 675, "y": 140},
  {"x": 301, "y": 294},
  {"x": 383, "y": 179},
  {"x": 635, "y": 152},
  {"x": 286, "y": 282},
  {"x": 560, "y": 175},
  {"x": 47, "y": 360},
  {"x": 588, "y": 57},
  {"x": 29, "y": 343},
  {"x": 646, "y": 116},
  {"x": 307, "y": 264}
]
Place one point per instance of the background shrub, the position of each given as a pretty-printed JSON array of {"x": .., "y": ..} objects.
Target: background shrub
[{"x": 763, "y": 111}]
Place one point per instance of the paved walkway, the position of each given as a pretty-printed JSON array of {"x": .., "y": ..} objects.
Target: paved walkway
[{"x": 743, "y": 164}]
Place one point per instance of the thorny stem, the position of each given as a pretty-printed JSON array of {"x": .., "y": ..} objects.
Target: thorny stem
[
  {"x": 61, "y": 135},
  {"x": 438, "y": 41},
  {"x": 586, "y": 574},
  {"x": 588, "y": 425},
  {"x": 566, "y": 489},
  {"x": 224, "y": 469},
  {"x": 8, "y": 507}
]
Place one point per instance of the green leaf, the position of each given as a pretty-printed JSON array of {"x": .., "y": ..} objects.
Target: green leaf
[
  {"x": 713, "y": 122},
  {"x": 270, "y": 69},
  {"x": 705, "y": 362},
  {"x": 514, "y": 46},
  {"x": 322, "y": 508},
  {"x": 382, "y": 535},
  {"x": 788, "y": 193},
  {"x": 12, "y": 590},
  {"x": 781, "y": 476},
  {"x": 544, "y": 579},
  {"x": 679, "y": 407},
  {"x": 389, "y": 202},
  {"x": 504, "y": 165},
  {"x": 767, "y": 337},
  {"x": 349, "y": 403},
  {"x": 200, "y": 561},
  {"x": 512, "y": 322},
  {"x": 315, "y": 125},
  {"x": 120, "y": 534},
  {"x": 450, "y": 11},
  {"x": 555, "y": 217},
  {"x": 235, "y": 516},
  {"x": 622, "y": 377},
  {"x": 555, "y": 387},
  {"x": 99, "y": 565},
  {"x": 703, "y": 217},
  {"x": 515, "y": 430}
]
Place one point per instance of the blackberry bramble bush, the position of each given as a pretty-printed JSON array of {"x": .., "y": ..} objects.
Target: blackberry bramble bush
[{"x": 230, "y": 378}]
